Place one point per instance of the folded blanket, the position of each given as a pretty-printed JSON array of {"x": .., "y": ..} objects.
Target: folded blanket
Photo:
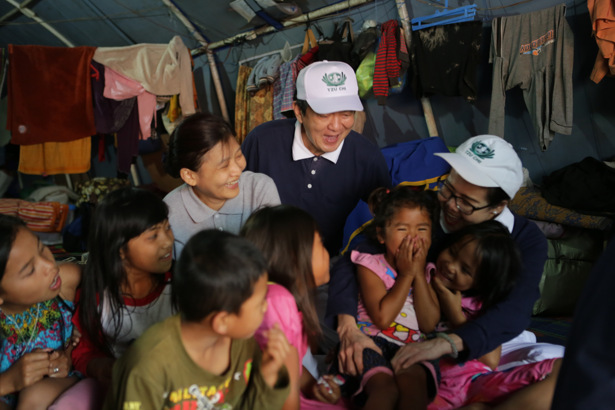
[{"x": 50, "y": 96}]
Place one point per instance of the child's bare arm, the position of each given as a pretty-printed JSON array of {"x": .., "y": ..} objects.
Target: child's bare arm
[
  {"x": 70, "y": 273},
  {"x": 450, "y": 303},
  {"x": 26, "y": 371},
  {"x": 426, "y": 303},
  {"x": 492, "y": 359},
  {"x": 382, "y": 306},
  {"x": 274, "y": 355}
]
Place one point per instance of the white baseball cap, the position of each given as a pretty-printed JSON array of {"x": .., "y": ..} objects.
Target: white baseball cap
[
  {"x": 487, "y": 161},
  {"x": 329, "y": 86}
]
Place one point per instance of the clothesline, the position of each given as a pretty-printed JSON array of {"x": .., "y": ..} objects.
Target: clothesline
[{"x": 245, "y": 60}]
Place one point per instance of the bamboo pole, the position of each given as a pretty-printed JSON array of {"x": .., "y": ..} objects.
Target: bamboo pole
[
  {"x": 427, "y": 111},
  {"x": 210, "y": 55},
  {"x": 291, "y": 22},
  {"x": 12, "y": 12},
  {"x": 29, "y": 13}
]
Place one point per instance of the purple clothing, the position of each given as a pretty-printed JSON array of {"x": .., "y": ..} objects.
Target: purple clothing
[
  {"x": 116, "y": 116},
  {"x": 328, "y": 191},
  {"x": 500, "y": 323}
]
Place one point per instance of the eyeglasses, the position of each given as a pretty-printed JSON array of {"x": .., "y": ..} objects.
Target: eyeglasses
[{"x": 446, "y": 192}]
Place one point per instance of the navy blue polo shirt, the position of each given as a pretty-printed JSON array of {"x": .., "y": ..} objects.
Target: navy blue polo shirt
[{"x": 328, "y": 191}]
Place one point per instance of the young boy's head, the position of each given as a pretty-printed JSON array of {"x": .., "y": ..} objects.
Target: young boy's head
[{"x": 219, "y": 272}]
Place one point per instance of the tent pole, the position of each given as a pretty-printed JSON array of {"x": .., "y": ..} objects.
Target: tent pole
[
  {"x": 29, "y": 13},
  {"x": 293, "y": 21},
  {"x": 8, "y": 15},
  {"x": 427, "y": 111},
  {"x": 210, "y": 55}
]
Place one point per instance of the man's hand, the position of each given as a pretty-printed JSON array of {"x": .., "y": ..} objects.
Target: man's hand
[
  {"x": 432, "y": 349},
  {"x": 352, "y": 343}
]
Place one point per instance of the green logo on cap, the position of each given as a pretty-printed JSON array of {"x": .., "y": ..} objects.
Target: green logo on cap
[
  {"x": 334, "y": 79},
  {"x": 481, "y": 150}
]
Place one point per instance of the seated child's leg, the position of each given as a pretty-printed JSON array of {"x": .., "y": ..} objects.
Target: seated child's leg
[
  {"x": 42, "y": 393},
  {"x": 413, "y": 385},
  {"x": 378, "y": 383},
  {"x": 87, "y": 394},
  {"x": 381, "y": 392}
]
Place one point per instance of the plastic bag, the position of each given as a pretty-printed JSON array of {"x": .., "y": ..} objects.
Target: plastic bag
[{"x": 365, "y": 74}]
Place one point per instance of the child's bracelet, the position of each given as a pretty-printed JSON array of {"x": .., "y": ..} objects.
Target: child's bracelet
[{"x": 446, "y": 337}]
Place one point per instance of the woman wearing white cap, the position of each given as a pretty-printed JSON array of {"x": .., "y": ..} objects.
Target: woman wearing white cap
[{"x": 486, "y": 174}]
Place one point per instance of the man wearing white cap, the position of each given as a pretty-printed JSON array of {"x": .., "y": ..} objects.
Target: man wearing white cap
[{"x": 317, "y": 162}]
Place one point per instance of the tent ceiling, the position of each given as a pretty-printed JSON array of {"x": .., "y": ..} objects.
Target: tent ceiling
[
  {"x": 113, "y": 23},
  {"x": 110, "y": 23}
]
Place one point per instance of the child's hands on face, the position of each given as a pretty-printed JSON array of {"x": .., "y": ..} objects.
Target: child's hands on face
[
  {"x": 274, "y": 354},
  {"x": 449, "y": 299},
  {"x": 411, "y": 256},
  {"x": 327, "y": 389}
]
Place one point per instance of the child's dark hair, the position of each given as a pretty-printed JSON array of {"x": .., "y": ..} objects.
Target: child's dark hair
[
  {"x": 121, "y": 216},
  {"x": 285, "y": 235},
  {"x": 9, "y": 226},
  {"x": 498, "y": 257},
  {"x": 383, "y": 203},
  {"x": 192, "y": 139},
  {"x": 216, "y": 272}
]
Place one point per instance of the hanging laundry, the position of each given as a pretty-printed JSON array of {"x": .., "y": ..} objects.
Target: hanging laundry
[
  {"x": 388, "y": 67},
  {"x": 50, "y": 96},
  {"x": 260, "y": 107},
  {"x": 241, "y": 103},
  {"x": 109, "y": 114},
  {"x": 50, "y": 158},
  {"x": 284, "y": 89},
  {"x": 266, "y": 71},
  {"x": 535, "y": 52},
  {"x": 445, "y": 60},
  {"x": 162, "y": 69},
  {"x": 309, "y": 52},
  {"x": 602, "y": 14},
  {"x": 116, "y": 116},
  {"x": 120, "y": 87}
]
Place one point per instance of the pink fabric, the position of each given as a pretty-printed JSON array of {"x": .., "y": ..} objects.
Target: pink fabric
[
  {"x": 405, "y": 327},
  {"x": 307, "y": 404},
  {"x": 84, "y": 395},
  {"x": 282, "y": 309},
  {"x": 473, "y": 381},
  {"x": 119, "y": 87}
]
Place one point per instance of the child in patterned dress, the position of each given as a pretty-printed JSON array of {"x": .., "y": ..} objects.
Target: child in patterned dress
[{"x": 36, "y": 305}]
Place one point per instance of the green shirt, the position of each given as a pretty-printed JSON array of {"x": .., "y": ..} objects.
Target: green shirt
[{"x": 157, "y": 373}]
